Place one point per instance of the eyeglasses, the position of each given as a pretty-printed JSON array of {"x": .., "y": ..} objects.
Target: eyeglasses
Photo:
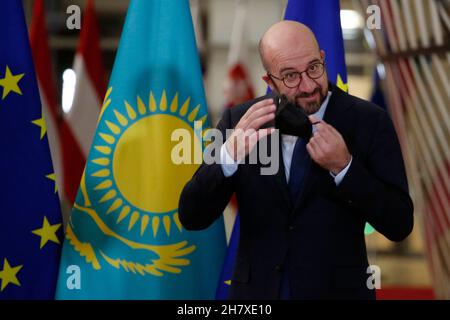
[{"x": 293, "y": 79}]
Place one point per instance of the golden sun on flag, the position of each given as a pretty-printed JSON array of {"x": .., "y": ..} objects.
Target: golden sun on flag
[{"x": 136, "y": 143}]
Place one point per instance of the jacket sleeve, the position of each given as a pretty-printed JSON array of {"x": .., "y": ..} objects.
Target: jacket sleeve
[
  {"x": 379, "y": 188},
  {"x": 206, "y": 195}
]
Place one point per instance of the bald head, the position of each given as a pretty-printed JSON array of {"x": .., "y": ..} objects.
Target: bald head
[{"x": 286, "y": 34}]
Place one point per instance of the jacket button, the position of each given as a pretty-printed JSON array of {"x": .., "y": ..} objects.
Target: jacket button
[
  {"x": 278, "y": 268},
  {"x": 291, "y": 228},
  {"x": 350, "y": 202}
]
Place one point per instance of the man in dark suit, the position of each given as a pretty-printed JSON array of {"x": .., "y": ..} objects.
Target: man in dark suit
[{"x": 302, "y": 229}]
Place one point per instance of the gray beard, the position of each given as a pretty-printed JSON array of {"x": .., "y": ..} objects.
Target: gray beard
[{"x": 312, "y": 107}]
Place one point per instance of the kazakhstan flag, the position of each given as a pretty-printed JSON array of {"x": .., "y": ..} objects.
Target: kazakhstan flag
[{"x": 124, "y": 239}]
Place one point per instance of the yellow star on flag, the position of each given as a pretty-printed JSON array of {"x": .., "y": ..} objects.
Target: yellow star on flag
[
  {"x": 9, "y": 275},
  {"x": 52, "y": 177},
  {"x": 340, "y": 84},
  {"x": 41, "y": 123},
  {"x": 47, "y": 232},
  {"x": 10, "y": 83}
]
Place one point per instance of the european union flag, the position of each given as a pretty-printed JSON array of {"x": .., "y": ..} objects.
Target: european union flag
[
  {"x": 323, "y": 18},
  {"x": 124, "y": 239},
  {"x": 30, "y": 217}
]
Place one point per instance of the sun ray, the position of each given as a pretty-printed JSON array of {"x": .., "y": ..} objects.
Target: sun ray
[
  {"x": 130, "y": 111},
  {"x": 152, "y": 103},
  {"x": 101, "y": 161},
  {"x": 174, "y": 104},
  {"x": 103, "y": 149},
  {"x": 176, "y": 219},
  {"x": 163, "y": 102},
  {"x": 121, "y": 118},
  {"x": 141, "y": 106},
  {"x": 109, "y": 139},
  {"x": 116, "y": 205},
  {"x": 106, "y": 102},
  {"x": 104, "y": 185},
  {"x": 155, "y": 225},
  {"x": 134, "y": 217},
  {"x": 123, "y": 213},
  {"x": 193, "y": 113},
  {"x": 203, "y": 119},
  {"x": 144, "y": 223},
  {"x": 111, "y": 194},
  {"x": 113, "y": 127},
  {"x": 101, "y": 173},
  {"x": 108, "y": 92},
  {"x": 184, "y": 108},
  {"x": 166, "y": 222}
]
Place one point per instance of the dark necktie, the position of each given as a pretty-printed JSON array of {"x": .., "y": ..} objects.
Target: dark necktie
[
  {"x": 300, "y": 160},
  {"x": 299, "y": 164}
]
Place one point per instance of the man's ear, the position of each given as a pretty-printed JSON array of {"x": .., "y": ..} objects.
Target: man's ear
[
  {"x": 268, "y": 80},
  {"x": 322, "y": 54}
]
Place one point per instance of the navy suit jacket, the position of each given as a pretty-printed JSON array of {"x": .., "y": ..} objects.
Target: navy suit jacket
[{"x": 320, "y": 235}]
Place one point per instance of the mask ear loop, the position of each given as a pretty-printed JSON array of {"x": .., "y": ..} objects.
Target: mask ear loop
[{"x": 281, "y": 104}]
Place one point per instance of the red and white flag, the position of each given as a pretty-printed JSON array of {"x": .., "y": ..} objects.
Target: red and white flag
[
  {"x": 44, "y": 73},
  {"x": 87, "y": 100},
  {"x": 238, "y": 84}
]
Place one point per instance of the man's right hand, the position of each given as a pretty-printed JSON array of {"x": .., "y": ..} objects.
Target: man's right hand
[{"x": 247, "y": 132}]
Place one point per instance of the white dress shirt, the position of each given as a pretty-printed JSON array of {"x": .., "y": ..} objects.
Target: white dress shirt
[{"x": 229, "y": 166}]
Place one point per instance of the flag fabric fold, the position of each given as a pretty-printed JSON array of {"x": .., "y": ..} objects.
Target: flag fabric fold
[
  {"x": 82, "y": 118},
  {"x": 124, "y": 235}
]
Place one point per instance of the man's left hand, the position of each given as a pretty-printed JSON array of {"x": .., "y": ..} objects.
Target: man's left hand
[{"x": 327, "y": 147}]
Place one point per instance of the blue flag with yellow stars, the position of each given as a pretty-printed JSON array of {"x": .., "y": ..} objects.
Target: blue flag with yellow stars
[
  {"x": 323, "y": 18},
  {"x": 30, "y": 216},
  {"x": 124, "y": 239}
]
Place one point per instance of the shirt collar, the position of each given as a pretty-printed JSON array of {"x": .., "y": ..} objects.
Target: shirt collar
[{"x": 320, "y": 113}]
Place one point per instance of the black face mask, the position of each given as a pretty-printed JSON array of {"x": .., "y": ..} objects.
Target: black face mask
[{"x": 291, "y": 119}]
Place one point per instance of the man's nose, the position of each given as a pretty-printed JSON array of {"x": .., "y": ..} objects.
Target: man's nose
[{"x": 307, "y": 85}]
